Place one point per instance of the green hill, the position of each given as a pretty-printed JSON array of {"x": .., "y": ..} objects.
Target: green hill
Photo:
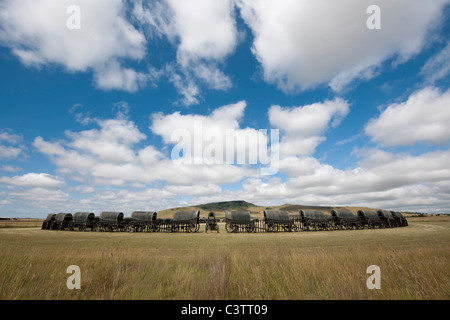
[{"x": 226, "y": 205}]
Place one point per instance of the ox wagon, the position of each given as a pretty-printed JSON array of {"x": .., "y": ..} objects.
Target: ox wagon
[
  {"x": 143, "y": 221},
  {"x": 82, "y": 221},
  {"x": 48, "y": 222},
  {"x": 111, "y": 221},
  {"x": 345, "y": 219},
  {"x": 400, "y": 220},
  {"x": 314, "y": 219},
  {"x": 188, "y": 221},
  {"x": 212, "y": 222},
  {"x": 239, "y": 221},
  {"x": 62, "y": 221},
  {"x": 387, "y": 218},
  {"x": 278, "y": 221},
  {"x": 369, "y": 218}
]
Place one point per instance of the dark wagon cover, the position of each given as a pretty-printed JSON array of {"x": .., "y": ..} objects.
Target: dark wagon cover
[
  {"x": 387, "y": 218},
  {"x": 370, "y": 219},
  {"x": 62, "y": 221},
  {"x": 400, "y": 220},
  {"x": 146, "y": 221},
  {"x": 83, "y": 220},
  {"x": 111, "y": 221},
  {"x": 188, "y": 221},
  {"x": 239, "y": 221},
  {"x": 278, "y": 221},
  {"x": 345, "y": 219},
  {"x": 48, "y": 222},
  {"x": 314, "y": 219}
]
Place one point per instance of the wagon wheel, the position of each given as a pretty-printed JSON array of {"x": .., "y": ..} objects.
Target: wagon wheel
[
  {"x": 231, "y": 228},
  {"x": 191, "y": 228}
]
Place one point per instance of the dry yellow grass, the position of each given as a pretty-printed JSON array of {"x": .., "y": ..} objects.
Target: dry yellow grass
[{"x": 414, "y": 264}]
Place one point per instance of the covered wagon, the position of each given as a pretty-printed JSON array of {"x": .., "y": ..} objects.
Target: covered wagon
[
  {"x": 146, "y": 221},
  {"x": 187, "y": 221},
  {"x": 278, "y": 221},
  {"x": 345, "y": 219},
  {"x": 239, "y": 221},
  {"x": 48, "y": 222},
  {"x": 370, "y": 218},
  {"x": 62, "y": 221},
  {"x": 111, "y": 221}
]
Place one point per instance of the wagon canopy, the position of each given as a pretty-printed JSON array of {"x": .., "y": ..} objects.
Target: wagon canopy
[
  {"x": 243, "y": 216},
  {"x": 368, "y": 214},
  {"x": 51, "y": 216},
  {"x": 276, "y": 215},
  {"x": 111, "y": 216},
  {"x": 63, "y": 216},
  {"x": 312, "y": 214},
  {"x": 212, "y": 215},
  {"x": 82, "y": 217},
  {"x": 344, "y": 214},
  {"x": 186, "y": 215},
  {"x": 144, "y": 215},
  {"x": 385, "y": 214},
  {"x": 397, "y": 215}
]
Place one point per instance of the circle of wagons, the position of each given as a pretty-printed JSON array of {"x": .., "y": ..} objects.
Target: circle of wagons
[{"x": 235, "y": 221}]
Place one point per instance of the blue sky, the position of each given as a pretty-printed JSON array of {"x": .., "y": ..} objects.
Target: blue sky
[{"x": 88, "y": 113}]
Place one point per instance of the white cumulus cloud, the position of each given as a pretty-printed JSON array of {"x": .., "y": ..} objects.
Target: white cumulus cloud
[
  {"x": 424, "y": 118},
  {"x": 304, "y": 44}
]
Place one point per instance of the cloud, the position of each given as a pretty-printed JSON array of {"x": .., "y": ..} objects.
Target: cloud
[
  {"x": 117, "y": 153},
  {"x": 305, "y": 44},
  {"x": 204, "y": 33},
  {"x": 38, "y": 40},
  {"x": 304, "y": 126},
  {"x": 35, "y": 180},
  {"x": 10, "y": 145},
  {"x": 423, "y": 118},
  {"x": 438, "y": 66},
  {"x": 382, "y": 180}
]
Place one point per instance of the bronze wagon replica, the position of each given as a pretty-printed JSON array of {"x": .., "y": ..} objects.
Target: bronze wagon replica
[
  {"x": 143, "y": 221},
  {"x": 211, "y": 223},
  {"x": 239, "y": 221},
  {"x": 370, "y": 219},
  {"x": 62, "y": 221},
  {"x": 315, "y": 220},
  {"x": 399, "y": 219},
  {"x": 82, "y": 221},
  {"x": 48, "y": 222},
  {"x": 275, "y": 221},
  {"x": 345, "y": 219},
  {"x": 111, "y": 221},
  {"x": 387, "y": 218},
  {"x": 187, "y": 221}
]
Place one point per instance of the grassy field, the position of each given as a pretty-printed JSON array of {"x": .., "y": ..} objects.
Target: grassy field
[
  {"x": 414, "y": 264},
  {"x": 21, "y": 223}
]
